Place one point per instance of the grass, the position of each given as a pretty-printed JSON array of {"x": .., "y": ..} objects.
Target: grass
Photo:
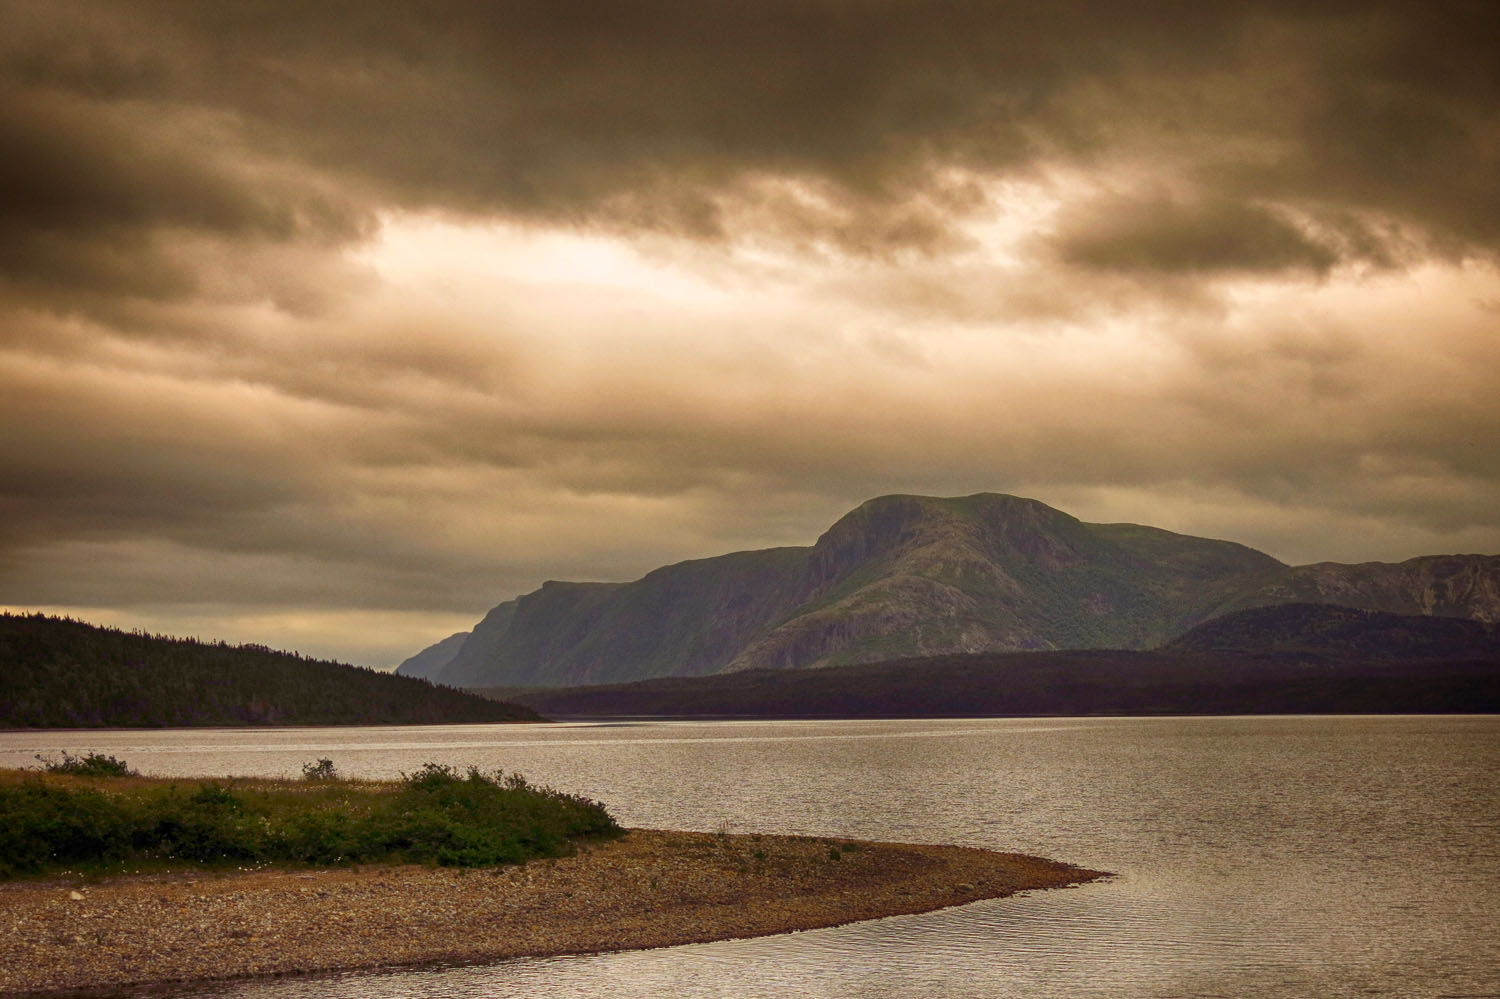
[{"x": 58, "y": 821}]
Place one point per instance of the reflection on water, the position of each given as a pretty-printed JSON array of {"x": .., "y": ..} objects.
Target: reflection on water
[{"x": 1258, "y": 857}]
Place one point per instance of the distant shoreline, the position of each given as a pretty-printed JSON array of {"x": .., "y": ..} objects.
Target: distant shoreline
[
  {"x": 650, "y": 889},
  {"x": 1051, "y": 684}
]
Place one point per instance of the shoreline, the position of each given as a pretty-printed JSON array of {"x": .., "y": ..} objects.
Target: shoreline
[{"x": 651, "y": 888}]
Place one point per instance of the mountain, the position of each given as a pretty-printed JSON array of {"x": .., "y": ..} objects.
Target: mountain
[
  {"x": 911, "y": 576},
  {"x": 56, "y": 672},
  {"x": 431, "y": 660},
  {"x": 1290, "y": 659}
]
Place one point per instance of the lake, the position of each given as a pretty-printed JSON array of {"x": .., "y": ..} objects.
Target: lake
[{"x": 1256, "y": 857}]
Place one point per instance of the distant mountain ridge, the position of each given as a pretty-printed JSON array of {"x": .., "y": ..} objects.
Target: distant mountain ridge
[{"x": 908, "y": 576}]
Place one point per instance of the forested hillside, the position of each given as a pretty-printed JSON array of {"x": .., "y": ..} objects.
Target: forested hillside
[
  {"x": 1326, "y": 630},
  {"x": 57, "y": 672},
  {"x": 1020, "y": 684}
]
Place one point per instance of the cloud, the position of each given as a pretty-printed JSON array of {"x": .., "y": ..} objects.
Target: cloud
[
  {"x": 352, "y": 437},
  {"x": 316, "y": 313},
  {"x": 1157, "y": 234},
  {"x": 92, "y": 200},
  {"x": 689, "y": 118}
]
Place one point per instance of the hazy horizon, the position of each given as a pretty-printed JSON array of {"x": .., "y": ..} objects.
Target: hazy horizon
[{"x": 331, "y": 327}]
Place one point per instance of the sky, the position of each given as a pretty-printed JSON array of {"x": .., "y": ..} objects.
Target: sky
[{"x": 329, "y": 326}]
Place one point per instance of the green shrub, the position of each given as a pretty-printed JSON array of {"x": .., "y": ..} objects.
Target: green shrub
[
  {"x": 321, "y": 771},
  {"x": 210, "y": 825},
  {"x": 479, "y": 820},
  {"x": 43, "y": 827},
  {"x": 87, "y": 765},
  {"x": 323, "y": 836}
]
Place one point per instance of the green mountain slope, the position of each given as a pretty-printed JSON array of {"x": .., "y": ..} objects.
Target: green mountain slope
[
  {"x": 62, "y": 673},
  {"x": 911, "y": 575}
]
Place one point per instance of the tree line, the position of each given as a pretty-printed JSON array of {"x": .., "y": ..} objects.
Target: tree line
[{"x": 59, "y": 672}]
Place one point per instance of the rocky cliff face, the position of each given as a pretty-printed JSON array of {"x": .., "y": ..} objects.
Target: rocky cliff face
[
  {"x": 470, "y": 662},
  {"x": 905, "y": 576},
  {"x": 684, "y": 619},
  {"x": 430, "y": 661}
]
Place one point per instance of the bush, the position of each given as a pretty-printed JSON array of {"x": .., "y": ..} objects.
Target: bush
[
  {"x": 45, "y": 827},
  {"x": 208, "y": 826},
  {"x": 432, "y": 776},
  {"x": 324, "y": 836},
  {"x": 87, "y": 765},
  {"x": 321, "y": 771},
  {"x": 480, "y": 820}
]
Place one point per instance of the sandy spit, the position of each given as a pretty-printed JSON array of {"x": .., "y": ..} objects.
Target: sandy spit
[{"x": 650, "y": 889}]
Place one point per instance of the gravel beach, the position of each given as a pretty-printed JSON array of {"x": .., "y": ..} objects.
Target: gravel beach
[{"x": 649, "y": 889}]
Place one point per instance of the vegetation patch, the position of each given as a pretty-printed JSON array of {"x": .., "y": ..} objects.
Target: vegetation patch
[
  {"x": 57, "y": 821},
  {"x": 322, "y": 770},
  {"x": 87, "y": 765}
]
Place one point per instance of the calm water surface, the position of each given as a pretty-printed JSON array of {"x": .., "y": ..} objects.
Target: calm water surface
[{"x": 1257, "y": 857}]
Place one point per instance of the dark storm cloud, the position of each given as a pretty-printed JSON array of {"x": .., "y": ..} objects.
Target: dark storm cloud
[
  {"x": 667, "y": 114},
  {"x": 1163, "y": 235},
  {"x": 1402, "y": 119}
]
